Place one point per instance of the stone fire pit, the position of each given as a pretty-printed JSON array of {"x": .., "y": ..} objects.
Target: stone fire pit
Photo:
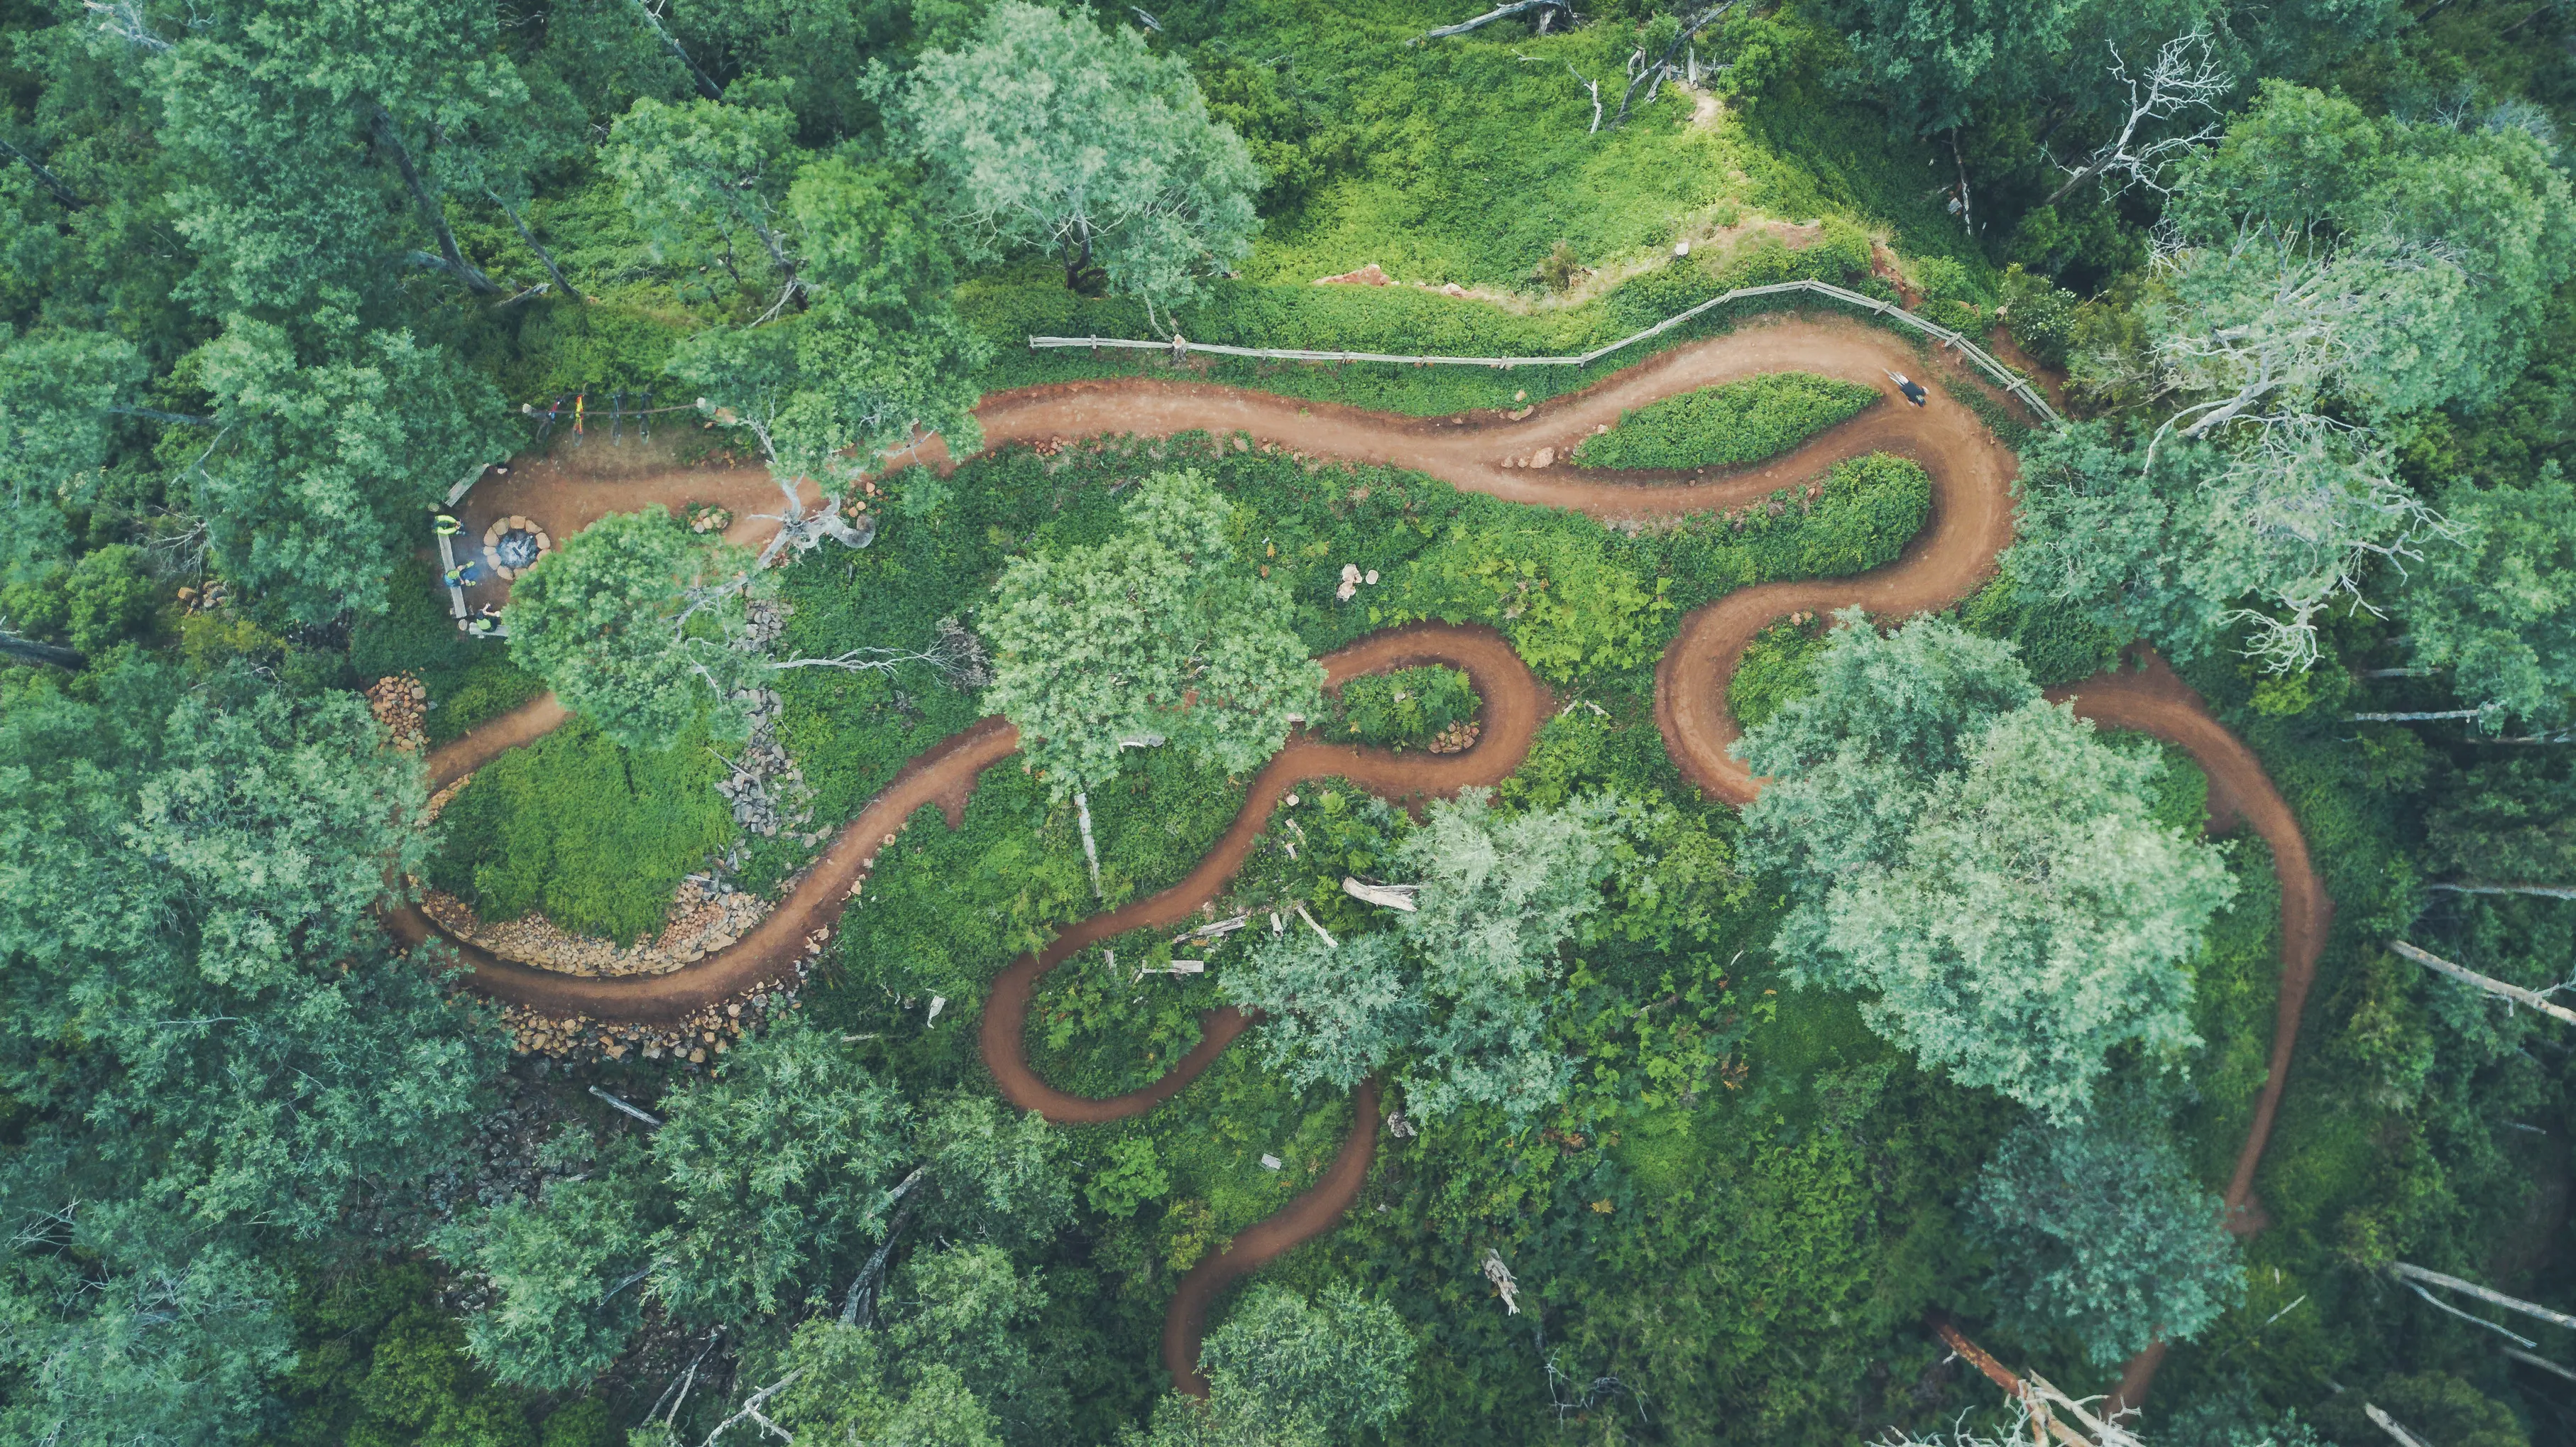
[{"x": 512, "y": 545}]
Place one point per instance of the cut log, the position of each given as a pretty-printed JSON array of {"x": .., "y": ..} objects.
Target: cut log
[{"x": 1392, "y": 896}]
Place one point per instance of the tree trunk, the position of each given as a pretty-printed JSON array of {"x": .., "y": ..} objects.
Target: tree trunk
[
  {"x": 1518, "y": 7},
  {"x": 430, "y": 214},
  {"x": 71, "y": 199},
  {"x": 27, "y": 650},
  {"x": 2545, "y": 891},
  {"x": 2388, "y": 1424},
  {"x": 697, "y": 77},
  {"x": 1090, "y": 851},
  {"x": 2494, "y": 1298},
  {"x": 858, "y": 1307},
  {"x": 562, "y": 286},
  {"x": 2520, "y": 996},
  {"x": 2544, "y": 1363}
]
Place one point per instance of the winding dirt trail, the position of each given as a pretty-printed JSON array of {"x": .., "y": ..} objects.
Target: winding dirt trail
[{"x": 1971, "y": 521}]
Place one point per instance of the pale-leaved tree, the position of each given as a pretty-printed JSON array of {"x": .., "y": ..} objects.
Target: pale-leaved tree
[
  {"x": 1286, "y": 1372},
  {"x": 1158, "y": 635},
  {"x": 639, "y": 624},
  {"x": 1460, "y": 986},
  {"x": 1047, "y": 133},
  {"x": 1980, "y": 861}
]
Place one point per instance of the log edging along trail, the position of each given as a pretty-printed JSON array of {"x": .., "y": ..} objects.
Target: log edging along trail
[{"x": 1971, "y": 522}]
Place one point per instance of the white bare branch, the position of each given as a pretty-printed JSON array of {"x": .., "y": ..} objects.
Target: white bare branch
[
  {"x": 2184, "y": 76},
  {"x": 2529, "y": 999},
  {"x": 1499, "y": 12}
]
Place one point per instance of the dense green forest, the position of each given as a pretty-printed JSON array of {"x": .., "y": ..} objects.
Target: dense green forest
[{"x": 1651, "y": 1092}]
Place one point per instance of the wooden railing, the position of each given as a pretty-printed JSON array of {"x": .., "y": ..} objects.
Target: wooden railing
[{"x": 2002, "y": 376}]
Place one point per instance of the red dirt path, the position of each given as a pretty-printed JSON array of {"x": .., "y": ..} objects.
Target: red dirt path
[{"x": 1971, "y": 522}]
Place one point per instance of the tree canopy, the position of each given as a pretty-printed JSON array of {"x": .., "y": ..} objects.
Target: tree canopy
[
  {"x": 1158, "y": 635},
  {"x": 1980, "y": 859},
  {"x": 634, "y": 621},
  {"x": 1461, "y": 986},
  {"x": 2099, "y": 1230},
  {"x": 1048, "y": 134}
]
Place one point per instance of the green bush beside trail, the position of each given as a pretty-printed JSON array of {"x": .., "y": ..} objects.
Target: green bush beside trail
[{"x": 1740, "y": 422}]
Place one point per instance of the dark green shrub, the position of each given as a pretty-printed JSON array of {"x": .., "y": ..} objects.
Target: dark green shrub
[
  {"x": 2057, "y": 645},
  {"x": 107, "y": 597},
  {"x": 1958, "y": 316},
  {"x": 35, "y": 606},
  {"x": 1740, "y": 422},
  {"x": 594, "y": 836},
  {"x": 487, "y": 688},
  {"x": 1773, "y": 672},
  {"x": 379, "y": 1363},
  {"x": 1405, "y": 709},
  {"x": 415, "y": 634},
  {"x": 2040, "y": 313}
]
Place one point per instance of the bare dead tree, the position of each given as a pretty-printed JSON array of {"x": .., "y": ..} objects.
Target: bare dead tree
[
  {"x": 750, "y": 1411},
  {"x": 859, "y": 1305},
  {"x": 2184, "y": 76},
  {"x": 2545, "y": 891},
  {"x": 124, "y": 20},
  {"x": 1652, "y": 75},
  {"x": 2544, "y": 1363},
  {"x": 2388, "y": 1424},
  {"x": 2530, "y": 999},
  {"x": 71, "y": 199},
  {"x": 1549, "y": 10},
  {"x": 1594, "y": 87}
]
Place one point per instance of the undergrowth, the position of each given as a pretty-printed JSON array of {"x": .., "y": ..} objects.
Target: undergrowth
[{"x": 1724, "y": 426}]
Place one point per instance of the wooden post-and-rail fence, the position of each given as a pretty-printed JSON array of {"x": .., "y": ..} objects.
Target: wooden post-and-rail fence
[{"x": 2002, "y": 376}]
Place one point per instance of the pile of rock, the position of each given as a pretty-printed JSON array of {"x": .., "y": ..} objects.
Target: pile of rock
[
  {"x": 709, "y": 518},
  {"x": 766, "y": 788},
  {"x": 205, "y": 600},
  {"x": 401, "y": 703},
  {"x": 701, "y": 1038},
  {"x": 1455, "y": 739},
  {"x": 707, "y": 914}
]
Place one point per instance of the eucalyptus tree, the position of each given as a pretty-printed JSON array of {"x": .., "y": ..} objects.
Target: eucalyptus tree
[
  {"x": 1980, "y": 861},
  {"x": 1287, "y": 1372},
  {"x": 641, "y": 625},
  {"x": 2330, "y": 276},
  {"x": 1160, "y": 634},
  {"x": 2099, "y": 1230},
  {"x": 1458, "y": 989},
  {"x": 2498, "y": 608},
  {"x": 327, "y": 446},
  {"x": 1048, "y": 134},
  {"x": 874, "y": 359}
]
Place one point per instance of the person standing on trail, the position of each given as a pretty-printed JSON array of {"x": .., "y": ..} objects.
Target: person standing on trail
[{"x": 1913, "y": 390}]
